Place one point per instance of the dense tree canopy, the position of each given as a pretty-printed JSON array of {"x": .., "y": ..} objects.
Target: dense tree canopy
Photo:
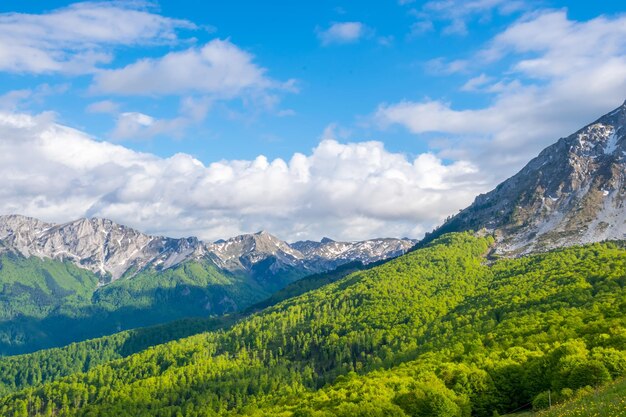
[
  {"x": 441, "y": 331},
  {"x": 46, "y": 303}
]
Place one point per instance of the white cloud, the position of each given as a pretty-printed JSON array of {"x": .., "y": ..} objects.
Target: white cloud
[
  {"x": 564, "y": 75},
  {"x": 439, "y": 66},
  {"x": 133, "y": 125},
  {"x": 342, "y": 33},
  {"x": 12, "y": 99},
  {"x": 474, "y": 84},
  {"x": 77, "y": 38},
  {"x": 104, "y": 106},
  {"x": 348, "y": 191},
  {"x": 219, "y": 69},
  {"x": 560, "y": 46},
  {"x": 136, "y": 125},
  {"x": 457, "y": 13},
  {"x": 16, "y": 99}
]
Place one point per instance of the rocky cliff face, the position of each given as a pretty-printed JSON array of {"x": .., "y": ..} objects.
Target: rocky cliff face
[
  {"x": 112, "y": 250},
  {"x": 572, "y": 193}
]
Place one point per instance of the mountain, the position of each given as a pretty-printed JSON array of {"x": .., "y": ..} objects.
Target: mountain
[
  {"x": 435, "y": 332},
  {"x": 98, "y": 245},
  {"x": 329, "y": 252},
  {"x": 112, "y": 251},
  {"x": 92, "y": 277},
  {"x": 572, "y": 193}
]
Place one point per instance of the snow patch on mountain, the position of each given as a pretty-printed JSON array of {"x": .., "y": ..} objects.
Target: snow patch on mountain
[
  {"x": 113, "y": 251},
  {"x": 572, "y": 193}
]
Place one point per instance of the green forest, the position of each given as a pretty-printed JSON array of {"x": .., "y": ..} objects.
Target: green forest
[
  {"x": 47, "y": 303},
  {"x": 442, "y": 331}
]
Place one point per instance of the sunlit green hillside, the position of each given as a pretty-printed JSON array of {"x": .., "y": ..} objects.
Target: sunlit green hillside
[{"x": 438, "y": 332}]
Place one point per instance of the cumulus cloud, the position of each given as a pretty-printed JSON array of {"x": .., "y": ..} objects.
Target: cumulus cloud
[
  {"x": 77, "y": 38},
  {"x": 219, "y": 68},
  {"x": 564, "y": 75},
  {"x": 342, "y": 33},
  {"x": 346, "y": 190},
  {"x": 134, "y": 125}
]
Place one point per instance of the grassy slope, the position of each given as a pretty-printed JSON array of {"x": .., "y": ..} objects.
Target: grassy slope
[
  {"x": 309, "y": 283},
  {"x": 35, "y": 287},
  {"x": 608, "y": 401},
  {"x": 24, "y": 370}
]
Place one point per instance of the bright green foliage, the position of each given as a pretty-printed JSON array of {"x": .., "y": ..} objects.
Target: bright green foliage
[
  {"x": 46, "y": 303},
  {"x": 20, "y": 371},
  {"x": 437, "y": 332},
  {"x": 311, "y": 282}
]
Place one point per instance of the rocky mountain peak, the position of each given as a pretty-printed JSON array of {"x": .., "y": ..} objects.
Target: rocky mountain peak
[
  {"x": 573, "y": 192},
  {"x": 365, "y": 251},
  {"x": 99, "y": 245},
  {"x": 240, "y": 252},
  {"x": 17, "y": 224},
  {"x": 112, "y": 250}
]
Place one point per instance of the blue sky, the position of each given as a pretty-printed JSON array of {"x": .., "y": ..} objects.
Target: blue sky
[{"x": 402, "y": 110}]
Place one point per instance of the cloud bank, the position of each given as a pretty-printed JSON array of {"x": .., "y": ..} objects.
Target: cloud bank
[
  {"x": 77, "y": 38},
  {"x": 344, "y": 190}
]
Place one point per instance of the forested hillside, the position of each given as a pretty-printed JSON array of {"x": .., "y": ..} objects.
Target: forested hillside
[
  {"x": 31, "y": 369},
  {"x": 440, "y": 331},
  {"x": 46, "y": 303},
  {"x": 46, "y": 365},
  {"x": 67, "y": 283}
]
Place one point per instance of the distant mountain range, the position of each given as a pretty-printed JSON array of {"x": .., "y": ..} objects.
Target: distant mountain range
[
  {"x": 61, "y": 283},
  {"x": 572, "y": 193},
  {"x": 113, "y": 251}
]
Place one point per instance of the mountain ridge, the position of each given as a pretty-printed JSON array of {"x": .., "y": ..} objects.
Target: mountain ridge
[
  {"x": 112, "y": 250},
  {"x": 573, "y": 192}
]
